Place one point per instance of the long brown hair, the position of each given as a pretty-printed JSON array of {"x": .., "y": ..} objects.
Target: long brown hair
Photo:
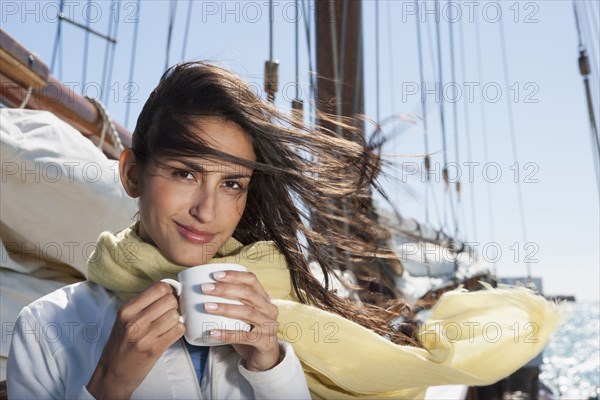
[{"x": 308, "y": 193}]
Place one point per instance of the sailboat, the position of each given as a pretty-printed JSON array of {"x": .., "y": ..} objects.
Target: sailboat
[{"x": 26, "y": 82}]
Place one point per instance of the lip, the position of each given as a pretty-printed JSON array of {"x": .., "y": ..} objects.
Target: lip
[{"x": 194, "y": 235}]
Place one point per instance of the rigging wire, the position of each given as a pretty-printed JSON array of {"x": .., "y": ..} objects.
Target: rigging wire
[
  {"x": 271, "y": 30},
  {"x": 513, "y": 139},
  {"x": 424, "y": 113},
  {"x": 112, "y": 53},
  {"x": 584, "y": 69},
  {"x": 297, "y": 50},
  {"x": 391, "y": 59},
  {"x": 109, "y": 52},
  {"x": 172, "y": 14},
  {"x": 187, "y": 29},
  {"x": 593, "y": 47},
  {"x": 467, "y": 128},
  {"x": 311, "y": 77},
  {"x": 132, "y": 64},
  {"x": 485, "y": 140},
  {"x": 297, "y": 103},
  {"x": 343, "y": 46},
  {"x": 335, "y": 60},
  {"x": 271, "y": 74},
  {"x": 57, "y": 40},
  {"x": 359, "y": 67},
  {"x": 107, "y": 49},
  {"x": 86, "y": 46},
  {"x": 443, "y": 122},
  {"x": 434, "y": 63},
  {"x": 593, "y": 39},
  {"x": 377, "y": 84},
  {"x": 454, "y": 116}
]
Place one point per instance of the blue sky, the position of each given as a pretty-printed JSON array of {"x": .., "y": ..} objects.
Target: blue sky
[{"x": 555, "y": 169}]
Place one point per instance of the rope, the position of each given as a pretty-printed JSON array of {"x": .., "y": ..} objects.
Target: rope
[
  {"x": 513, "y": 139},
  {"x": 172, "y": 14},
  {"x": 187, "y": 29},
  {"x": 485, "y": 140},
  {"x": 424, "y": 112},
  {"x": 27, "y": 97},
  {"x": 107, "y": 126},
  {"x": 467, "y": 129},
  {"x": 132, "y": 64},
  {"x": 57, "y": 37},
  {"x": 86, "y": 46}
]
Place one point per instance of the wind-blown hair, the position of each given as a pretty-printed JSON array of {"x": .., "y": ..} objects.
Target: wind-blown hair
[{"x": 308, "y": 192}]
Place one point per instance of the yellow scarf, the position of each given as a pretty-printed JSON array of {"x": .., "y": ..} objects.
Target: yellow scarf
[{"x": 471, "y": 338}]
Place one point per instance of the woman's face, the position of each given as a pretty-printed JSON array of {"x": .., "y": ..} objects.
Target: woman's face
[{"x": 189, "y": 207}]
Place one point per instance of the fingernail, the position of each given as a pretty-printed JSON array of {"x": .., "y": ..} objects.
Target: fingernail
[
  {"x": 211, "y": 306},
  {"x": 219, "y": 275},
  {"x": 208, "y": 287},
  {"x": 215, "y": 333}
]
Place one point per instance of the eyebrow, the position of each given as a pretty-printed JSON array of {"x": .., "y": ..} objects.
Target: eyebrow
[{"x": 199, "y": 168}]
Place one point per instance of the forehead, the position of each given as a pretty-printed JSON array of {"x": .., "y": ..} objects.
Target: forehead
[{"x": 225, "y": 136}]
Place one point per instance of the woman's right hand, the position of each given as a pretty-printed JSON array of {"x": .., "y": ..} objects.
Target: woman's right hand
[{"x": 146, "y": 325}]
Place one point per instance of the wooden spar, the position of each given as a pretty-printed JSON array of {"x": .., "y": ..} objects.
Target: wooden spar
[
  {"x": 21, "y": 70},
  {"x": 342, "y": 19},
  {"x": 351, "y": 82}
]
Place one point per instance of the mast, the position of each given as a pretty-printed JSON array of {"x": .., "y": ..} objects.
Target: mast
[
  {"x": 339, "y": 21},
  {"x": 340, "y": 93}
]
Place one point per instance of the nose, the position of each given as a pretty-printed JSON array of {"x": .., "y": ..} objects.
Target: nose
[{"x": 204, "y": 202}]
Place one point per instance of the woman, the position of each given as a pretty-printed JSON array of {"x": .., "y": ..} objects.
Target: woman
[{"x": 215, "y": 168}]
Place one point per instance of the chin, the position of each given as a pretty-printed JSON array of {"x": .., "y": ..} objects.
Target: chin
[{"x": 189, "y": 259}]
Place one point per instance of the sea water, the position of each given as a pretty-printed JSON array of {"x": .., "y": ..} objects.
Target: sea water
[{"x": 572, "y": 359}]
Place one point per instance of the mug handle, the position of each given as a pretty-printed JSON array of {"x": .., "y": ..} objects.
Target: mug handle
[{"x": 177, "y": 286}]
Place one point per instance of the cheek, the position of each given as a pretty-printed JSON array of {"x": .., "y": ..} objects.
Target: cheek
[
  {"x": 157, "y": 198},
  {"x": 235, "y": 210}
]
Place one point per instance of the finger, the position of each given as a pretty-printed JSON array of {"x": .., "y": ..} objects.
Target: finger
[
  {"x": 152, "y": 312},
  {"x": 145, "y": 298},
  {"x": 239, "y": 277},
  {"x": 164, "y": 323},
  {"x": 237, "y": 291},
  {"x": 245, "y": 313},
  {"x": 171, "y": 335}
]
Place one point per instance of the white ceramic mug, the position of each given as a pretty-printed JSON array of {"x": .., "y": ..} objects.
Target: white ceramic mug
[{"x": 198, "y": 323}]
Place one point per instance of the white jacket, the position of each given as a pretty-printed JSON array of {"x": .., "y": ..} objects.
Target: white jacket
[{"x": 58, "y": 339}]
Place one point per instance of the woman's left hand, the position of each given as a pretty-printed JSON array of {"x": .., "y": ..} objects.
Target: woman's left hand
[{"x": 258, "y": 348}]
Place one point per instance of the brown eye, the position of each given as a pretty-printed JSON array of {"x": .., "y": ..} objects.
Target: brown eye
[
  {"x": 183, "y": 174},
  {"x": 233, "y": 185}
]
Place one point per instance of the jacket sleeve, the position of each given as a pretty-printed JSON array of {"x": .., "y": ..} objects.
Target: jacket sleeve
[
  {"x": 32, "y": 370},
  {"x": 286, "y": 380}
]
